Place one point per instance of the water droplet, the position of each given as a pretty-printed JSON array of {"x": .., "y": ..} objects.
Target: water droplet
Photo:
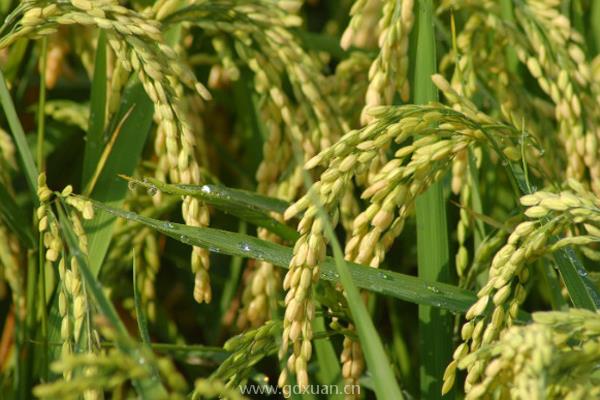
[
  {"x": 385, "y": 276},
  {"x": 168, "y": 225},
  {"x": 184, "y": 239},
  {"x": 330, "y": 275},
  {"x": 205, "y": 189},
  {"x": 582, "y": 272},
  {"x": 152, "y": 190},
  {"x": 245, "y": 247},
  {"x": 214, "y": 250},
  {"x": 433, "y": 289},
  {"x": 131, "y": 185}
]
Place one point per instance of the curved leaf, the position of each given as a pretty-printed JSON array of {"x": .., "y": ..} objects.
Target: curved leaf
[{"x": 389, "y": 283}]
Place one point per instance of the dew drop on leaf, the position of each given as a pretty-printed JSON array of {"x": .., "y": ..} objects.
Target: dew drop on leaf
[
  {"x": 205, "y": 189},
  {"x": 245, "y": 247},
  {"x": 433, "y": 289}
]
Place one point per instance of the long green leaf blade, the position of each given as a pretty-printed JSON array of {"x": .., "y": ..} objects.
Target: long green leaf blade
[
  {"x": 595, "y": 25},
  {"x": 31, "y": 172},
  {"x": 389, "y": 283},
  {"x": 330, "y": 372},
  {"x": 248, "y": 206},
  {"x": 582, "y": 290},
  {"x": 94, "y": 137},
  {"x": 123, "y": 159},
  {"x": 435, "y": 333},
  {"x": 140, "y": 315}
]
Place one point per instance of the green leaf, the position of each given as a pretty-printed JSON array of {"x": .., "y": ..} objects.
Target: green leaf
[
  {"x": 329, "y": 372},
  {"x": 94, "y": 138},
  {"x": 248, "y": 206},
  {"x": 389, "y": 283},
  {"x": 31, "y": 172},
  {"x": 41, "y": 120},
  {"x": 14, "y": 61},
  {"x": 550, "y": 280},
  {"x": 191, "y": 353},
  {"x": 595, "y": 25},
  {"x": 508, "y": 14},
  {"x": 582, "y": 290},
  {"x": 435, "y": 325},
  {"x": 253, "y": 133},
  {"x": 231, "y": 285},
  {"x": 142, "y": 322},
  {"x": 123, "y": 159},
  {"x": 194, "y": 354}
]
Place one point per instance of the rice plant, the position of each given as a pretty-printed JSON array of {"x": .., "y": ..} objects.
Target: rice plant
[{"x": 389, "y": 199}]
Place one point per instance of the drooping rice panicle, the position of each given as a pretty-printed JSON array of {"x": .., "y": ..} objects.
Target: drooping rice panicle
[
  {"x": 551, "y": 357},
  {"x": 501, "y": 297},
  {"x": 139, "y": 46}
]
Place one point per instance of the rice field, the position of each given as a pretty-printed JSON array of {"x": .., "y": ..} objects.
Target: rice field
[{"x": 351, "y": 199}]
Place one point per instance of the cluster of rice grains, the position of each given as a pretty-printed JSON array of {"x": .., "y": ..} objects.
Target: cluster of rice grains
[
  {"x": 429, "y": 138},
  {"x": 554, "y": 52},
  {"x": 551, "y": 358},
  {"x": 286, "y": 120},
  {"x": 550, "y": 215},
  {"x": 389, "y": 70},
  {"x": 112, "y": 370},
  {"x": 73, "y": 305},
  {"x": 139, "y": 46}
]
